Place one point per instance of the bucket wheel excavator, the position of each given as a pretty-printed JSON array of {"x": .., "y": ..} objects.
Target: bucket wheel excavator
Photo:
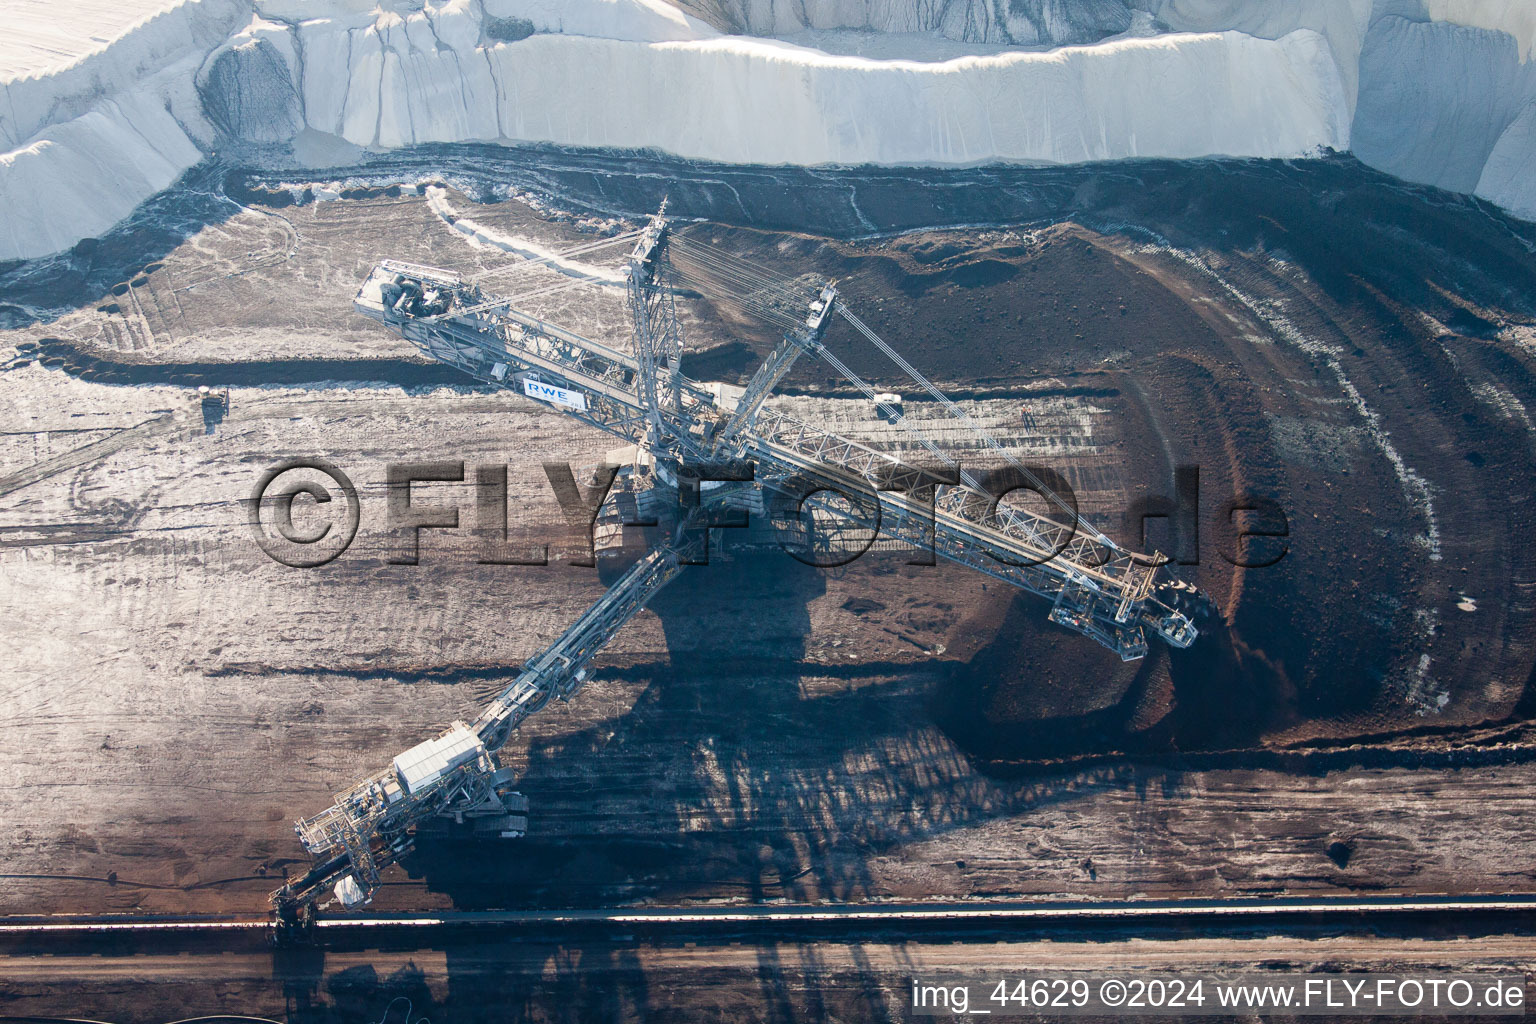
[{"x": 703, "y": 455}]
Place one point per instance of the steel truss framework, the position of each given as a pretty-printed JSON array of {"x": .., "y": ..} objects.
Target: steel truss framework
[{"x": 691, "y": 430}]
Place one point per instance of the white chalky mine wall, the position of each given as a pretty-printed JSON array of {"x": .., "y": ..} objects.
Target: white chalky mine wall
[{"x": 106, "y": 103}]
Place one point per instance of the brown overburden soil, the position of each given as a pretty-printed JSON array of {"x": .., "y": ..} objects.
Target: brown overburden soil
[{"x": 1361, "y": 358}]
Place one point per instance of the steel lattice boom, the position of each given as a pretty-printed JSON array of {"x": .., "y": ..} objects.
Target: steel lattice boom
[{"x": 677, "y": 428}]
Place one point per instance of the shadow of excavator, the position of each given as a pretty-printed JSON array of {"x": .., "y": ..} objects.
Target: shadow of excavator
[{"x": 745, "y": 769}]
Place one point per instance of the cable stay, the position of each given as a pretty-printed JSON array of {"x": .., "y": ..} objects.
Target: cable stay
[
  {"x": 672, "y": 425},
  {"x": 549, "y": 259},
  {"x": 960, "y": 414},
  {"x": 750, "y": 280}
]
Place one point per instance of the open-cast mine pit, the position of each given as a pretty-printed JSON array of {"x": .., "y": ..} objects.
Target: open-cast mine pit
[{"x": 1307, "y": 384}]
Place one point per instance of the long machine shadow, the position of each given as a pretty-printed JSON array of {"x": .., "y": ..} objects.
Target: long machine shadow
[{"x": 741, "y": 774}]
